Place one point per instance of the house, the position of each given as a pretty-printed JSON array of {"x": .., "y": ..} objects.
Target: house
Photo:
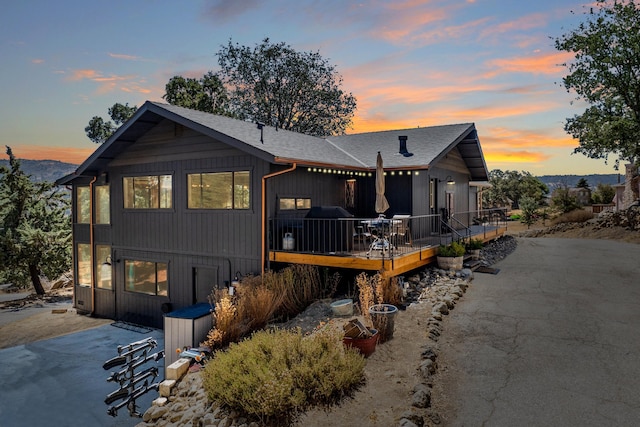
[
  {"x": 581, "y": 194},
  {"x": 178, "y": 202}
]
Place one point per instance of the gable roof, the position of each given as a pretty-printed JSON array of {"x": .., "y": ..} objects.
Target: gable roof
[{"x": 279, "y": 146}]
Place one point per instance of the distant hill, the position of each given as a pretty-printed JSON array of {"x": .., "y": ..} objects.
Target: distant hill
[
  {"x": 44, "y": 170},
  {"x": 51, "y": 170},
  {"x": 555, "y": 181}
]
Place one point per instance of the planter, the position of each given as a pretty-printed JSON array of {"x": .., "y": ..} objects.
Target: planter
[
  {"x": 343, "y": 307},
  {"x": 366, "y": 346},
  {"x": 383, "y": 319},
  {"x": 450, "y": 262},
  {"x": 475, "y": 254}
]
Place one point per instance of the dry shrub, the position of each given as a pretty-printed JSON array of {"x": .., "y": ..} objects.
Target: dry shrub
[
  {"x": 256, "y": 303},
  {"x": 377, "y": 290},
  {"x": 258, "y": 300},
  {"x": 299, "y": 286},
  {"x": 391, "y": 292},
  {"x": 578, "y": 215},
  {"x": 366, "y": 293},
  {"x": 226, "y": 327},
  {"x": 277, "y": 375}
]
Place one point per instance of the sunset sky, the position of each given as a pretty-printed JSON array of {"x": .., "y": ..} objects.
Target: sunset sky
[{"x": 409, "y": 63}]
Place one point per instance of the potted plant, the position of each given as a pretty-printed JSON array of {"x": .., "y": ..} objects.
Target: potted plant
[
  {"x": 473, "y": 247},
  {"x": 451, "y": 256},
  {"x": 378, "y": 298},
  {"x": 358, "y": 336}
]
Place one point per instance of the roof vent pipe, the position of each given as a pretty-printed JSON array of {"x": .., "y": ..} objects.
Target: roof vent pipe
[{"x": 403, "y": 146}]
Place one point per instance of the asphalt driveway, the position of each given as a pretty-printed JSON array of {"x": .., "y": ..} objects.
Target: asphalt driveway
[
  {"x": 552, "y": 340},
  {"x": 61, "y": 382}
]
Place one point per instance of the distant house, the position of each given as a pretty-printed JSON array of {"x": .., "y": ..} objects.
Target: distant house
[
  {"x": 582, "y": 195},
  {"x": 178, "y": 202}
]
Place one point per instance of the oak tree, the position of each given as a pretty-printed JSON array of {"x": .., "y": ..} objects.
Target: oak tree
[
  {"x": 98, "y": 130},
  {"x": 605, "y": 73},
  {"x": 276, "y": 85}
]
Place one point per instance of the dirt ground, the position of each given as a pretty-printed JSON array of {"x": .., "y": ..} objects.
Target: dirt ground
[
  {"x": 37, "y": 318},
  {"x": 391, "y": 371}
]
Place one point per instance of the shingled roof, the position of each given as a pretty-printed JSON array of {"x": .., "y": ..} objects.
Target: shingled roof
[{"x": 358, "y": 151}]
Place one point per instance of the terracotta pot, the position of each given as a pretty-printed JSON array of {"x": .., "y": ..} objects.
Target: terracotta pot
[
  {"x": 450, "y": 262},
  {"x": 366, "y": 346}
]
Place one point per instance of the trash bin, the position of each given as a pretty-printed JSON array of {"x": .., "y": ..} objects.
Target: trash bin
[
  {"x": 185, "y": 327},
  {"x": 327, "y": 229}
]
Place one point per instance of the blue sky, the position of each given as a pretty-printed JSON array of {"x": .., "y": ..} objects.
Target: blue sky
[{"x": 409, "y": 63}]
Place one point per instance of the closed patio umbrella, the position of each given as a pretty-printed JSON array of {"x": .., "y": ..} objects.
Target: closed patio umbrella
[{"x": 381, "y": 201}]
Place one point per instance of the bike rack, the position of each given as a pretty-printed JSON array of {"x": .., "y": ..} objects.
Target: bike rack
[{"x": 131, "y": 357}]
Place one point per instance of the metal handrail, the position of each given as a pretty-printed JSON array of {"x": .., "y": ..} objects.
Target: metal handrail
[{"x": 355, "y": 236}]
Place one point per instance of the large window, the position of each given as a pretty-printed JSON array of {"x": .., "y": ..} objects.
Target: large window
[
  {"x": 147, "y": 192},
  {"x": 103, "y": 267},
  {"x": 83, "y": 264},
  {"x": 103, "y": 215},
  {"x": 146, "y": 277},
  {"x": 220, "y": 190},
  {"x": 83, "y": 205}
]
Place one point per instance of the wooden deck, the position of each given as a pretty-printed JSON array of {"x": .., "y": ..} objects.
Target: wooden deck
[{"x": 394, "y": 262}]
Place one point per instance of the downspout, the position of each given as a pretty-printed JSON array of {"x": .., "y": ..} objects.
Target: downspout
[
  {"x": 264, "y": 209},
  {"x": 93, "y": 273}
]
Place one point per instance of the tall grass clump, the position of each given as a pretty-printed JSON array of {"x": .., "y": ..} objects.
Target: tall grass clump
[
  {"x": 578, "y": 215},
  {"x": 277, "y": 375},
  {"x": 259, "y": 300},
  {"x": 299, "y": 286}
]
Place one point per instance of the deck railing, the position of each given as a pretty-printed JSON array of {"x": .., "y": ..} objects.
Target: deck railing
[{"x": 378, "y": 237}]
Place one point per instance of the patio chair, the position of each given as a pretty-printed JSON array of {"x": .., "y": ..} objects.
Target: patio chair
[{"x": 400, "y": 233}]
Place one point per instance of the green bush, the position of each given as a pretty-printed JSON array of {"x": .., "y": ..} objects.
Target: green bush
[
  {"x": 473, "y": 244},
  {"x": 277, "y": 375},
  {"x": 453, "y": 249}
]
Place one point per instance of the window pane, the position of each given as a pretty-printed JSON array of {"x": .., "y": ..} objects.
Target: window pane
[
  {"x": 162, "y": 278},
  {"x": 83, "y": 205},
  {"x": 194, "y": 190},
  {"x": 148, "y": 192},
  {"x": 103, "y": 215},
  {"x": 145, "y": 189},
  {"x": 303, "y": 203},
  {"x": 103, "y": 267},
  {"x": 83, "y": 259},
  {"x": 141, "y": 276},
  {"x": 241, "y": 190},
  {"x": 219, "y": 189},
  {"x": 287, "y": 204},
  {"x": 165, "y": 191},
  {"x": 127, "y": 187}
]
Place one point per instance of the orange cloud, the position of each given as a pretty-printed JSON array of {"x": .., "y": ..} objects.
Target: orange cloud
[
  {"x": 37, "y": 61},
  {"x": 63, "y": 154},
  {"x": 549, "y": 63},
  {"x": 77, "y": 75},
  {"x": 503, "y": 137},
  {"x": 106, "y": 84},
  {"x": 496, "y": 156}
]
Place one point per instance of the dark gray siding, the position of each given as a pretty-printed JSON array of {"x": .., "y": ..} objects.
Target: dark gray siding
[
  {"x": 324, "y": 189},
  {"x": 226, "y": 241}
]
